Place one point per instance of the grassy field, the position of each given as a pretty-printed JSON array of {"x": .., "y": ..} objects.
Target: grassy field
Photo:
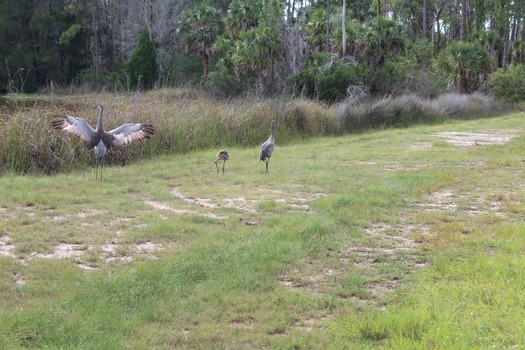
[{"x": 401, "y": 239}]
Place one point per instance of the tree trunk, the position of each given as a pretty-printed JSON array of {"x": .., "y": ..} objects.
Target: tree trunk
[
  {"x": 505, "y": 57},
  {"x": 463, "y": 81},
  {"x": 463, "y": 28},
  {"x": 343, "y": 28},
  {"x": 328, "y": 26},
  {"x": 95, "y": 54},
  {"x": 522, "y": 47},
  {"x": 514, "y": 34},
  {"x": 425, "y": 19},
  {"x": 205, "y": 64}
]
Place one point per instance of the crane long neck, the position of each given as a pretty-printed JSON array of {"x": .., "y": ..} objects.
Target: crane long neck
[
  {"x": 100, "y": 127},
  {"x": 273, "y": 126}
]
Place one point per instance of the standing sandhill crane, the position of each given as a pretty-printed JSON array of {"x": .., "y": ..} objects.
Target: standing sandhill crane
[
  {"x": 267, "y": 148},
  {"x": 224, "y": 156},
  {"x": 101, "y": 141}
]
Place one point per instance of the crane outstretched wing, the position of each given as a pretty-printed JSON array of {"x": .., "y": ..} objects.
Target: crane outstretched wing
[
  {"x": 76, "y": 126},
  {"x": 127, "y": 133}
]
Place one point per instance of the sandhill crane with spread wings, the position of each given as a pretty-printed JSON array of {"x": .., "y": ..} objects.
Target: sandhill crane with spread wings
[
  {"x": 101, "y": 141},
  {"x": 267, "y": 148},
  {"x": 224, "y": 156}
]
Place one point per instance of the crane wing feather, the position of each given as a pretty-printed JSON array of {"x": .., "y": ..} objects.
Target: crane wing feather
[
  {"x": 75, "y": 126},
  {"x": 127, "y": 133}
]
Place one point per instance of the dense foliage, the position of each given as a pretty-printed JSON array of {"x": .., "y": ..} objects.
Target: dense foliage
[
  {"x": 264, "y": 47},
  {"x": 509, "y": 85}
]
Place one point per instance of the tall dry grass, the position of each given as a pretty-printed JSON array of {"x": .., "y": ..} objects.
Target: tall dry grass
[
  {"x": 401, "y": 111},
  {"x": 184, "y": 120},
  {"x": 187, "y": 119}
]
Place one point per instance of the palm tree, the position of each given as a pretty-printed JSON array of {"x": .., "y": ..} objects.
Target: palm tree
[
  {"x": 198, "y": 29},
  {"x": 465, "y": 62},
  {"x": 381, "y": 38},
  {"x": 316, "y": 29},
  {"x": 243, "y": 15},
  {"x": 256, "y": 51}
]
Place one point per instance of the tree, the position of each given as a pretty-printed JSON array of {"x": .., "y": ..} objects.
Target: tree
[
  {"x": 465, "y": 62},
  {"x": 316, "y": 28},
  {"x": 256, "y": 51},
  {"x": 243, "y": 15},
  {"x": 142, "y": 65},
  {"x": 198, "y": 30},
  {"x": 380, "y": 39}
]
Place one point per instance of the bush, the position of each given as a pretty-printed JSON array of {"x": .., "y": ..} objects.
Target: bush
[
  {"x": 223, "y": 83},
  {"x": 330, "y": 84},
  {"x": 509, "y": 85},
  {"x": 391, "y": 78}
]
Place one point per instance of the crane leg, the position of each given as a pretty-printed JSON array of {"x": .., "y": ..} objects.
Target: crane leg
[
  {"x": 267, "y": 161},
  {"x": 217, "y": 166},
  {"x": 223, "y": 164},
  {"x": 98, "y": 164}
]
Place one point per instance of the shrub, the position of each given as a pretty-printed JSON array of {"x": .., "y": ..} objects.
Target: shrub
[
  {"x": 509, "y": 85},
  {"x": 391, "y": 78},
  {"x": 223, "y": 83},
  {"x": 330, "y": 84}
]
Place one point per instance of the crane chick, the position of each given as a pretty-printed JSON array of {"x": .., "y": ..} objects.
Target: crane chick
[{"x": 224, "y": 156}]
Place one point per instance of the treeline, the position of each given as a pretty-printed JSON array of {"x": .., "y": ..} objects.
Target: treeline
[{"x": 326, "y": 49}]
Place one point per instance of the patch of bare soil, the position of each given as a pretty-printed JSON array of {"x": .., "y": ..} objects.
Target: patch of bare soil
[
  {"x": 395, "y": 166},
  {"x": 447, "y": 202},
  {"x": 241, "y": 203},
  {"x": 90, "y": 256},
  {"x": 161, "y": 206},
  {"x": 383, "y": 245},
  {"x": 468, "y": 139},
  {"x": 457, "y": 138},
  {"x": 421, "y": 145},
  {"x": 387, "y": 244},
  {"x": 5, "y": 246},
  {"x": 106, "y": 253}
]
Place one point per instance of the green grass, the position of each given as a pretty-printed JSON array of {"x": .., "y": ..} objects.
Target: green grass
[{"x": 389, "y": 239}]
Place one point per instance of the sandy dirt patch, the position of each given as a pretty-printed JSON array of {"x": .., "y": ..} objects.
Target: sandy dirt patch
[{"x": 467, "y": 139}]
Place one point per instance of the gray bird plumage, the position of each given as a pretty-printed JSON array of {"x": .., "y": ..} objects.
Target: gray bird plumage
[
  {"x": 101, "y": 141},
  {"x": 267, "y": 148}
]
